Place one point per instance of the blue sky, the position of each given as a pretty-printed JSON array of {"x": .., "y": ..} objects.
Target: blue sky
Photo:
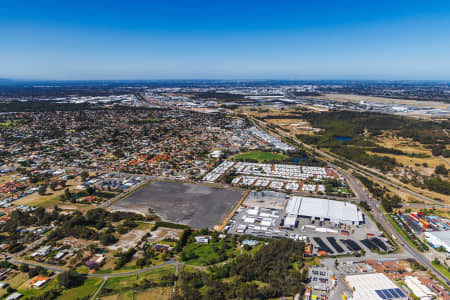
[{"x": 225, "y": 39}]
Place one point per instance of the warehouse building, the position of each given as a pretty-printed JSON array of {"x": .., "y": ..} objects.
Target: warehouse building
[
  {"x": 420, "y": 290},
  {"x": 322, "y": 209},
  {"x": 439, "y": 239},
  {"x": 374, "y": 287}
]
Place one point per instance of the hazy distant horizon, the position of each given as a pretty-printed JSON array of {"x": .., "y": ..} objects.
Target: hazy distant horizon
[
  {"x": 156, "y": 79},
  {"x": 299, "y": 40}
]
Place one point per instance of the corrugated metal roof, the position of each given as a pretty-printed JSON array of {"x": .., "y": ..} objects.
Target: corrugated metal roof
[{"x": 324, "y": 208}]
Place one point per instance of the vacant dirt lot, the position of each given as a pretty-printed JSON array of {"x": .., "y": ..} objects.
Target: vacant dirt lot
[
  {"x": 357, "y": 98},
  {"x": 195, "y": 205},
  {"x": 165, "y": 233},
  {"x": 128, "y": 240}
]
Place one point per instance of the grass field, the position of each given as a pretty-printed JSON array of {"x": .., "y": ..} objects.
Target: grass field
[
  {"x": 441, "y": 269},
  {"x": 14, "y": 281},
  {"x": 30, "y": 292},
  {"x": 261, "y": 156},
  {"x": 87, "y": 289},
  {"x": 17, "y": 280},
  {"x": 164, "y": 293},
  {"x": 122, "y": 285},
  {"x": 130, "y": 266},
  {"x": 9, "y": 123},
  {"x": 51, "y": 198},
  {"x": 82, "y": 269},
  {"x": 202, "y": 254}
]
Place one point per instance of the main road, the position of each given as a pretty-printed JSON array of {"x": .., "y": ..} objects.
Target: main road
[
  {"x": 362, "y": 194},
  {"x": 354, "y": 166}
]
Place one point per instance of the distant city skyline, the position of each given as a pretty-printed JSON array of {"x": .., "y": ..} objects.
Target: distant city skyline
[{"x": 298, "y": 40}]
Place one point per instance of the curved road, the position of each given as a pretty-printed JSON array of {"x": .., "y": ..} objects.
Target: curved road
[{"x": 109, "y": 275}]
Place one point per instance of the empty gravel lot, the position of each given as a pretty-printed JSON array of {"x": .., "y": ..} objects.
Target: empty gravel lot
[{"x": 198, "y": 206}]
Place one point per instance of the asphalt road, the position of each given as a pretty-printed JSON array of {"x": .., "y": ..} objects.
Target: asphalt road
[
  {"x": 356, "y": 167},
  {"x": 109, "y": 275},
  {"x": 379, "y": 216},
  {"x": 359, "y": 192}
]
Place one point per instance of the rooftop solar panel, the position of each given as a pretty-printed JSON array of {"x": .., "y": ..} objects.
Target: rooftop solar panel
[
  {"x": 393, "y": 293},
  {"x": 379, "y": 293},
  {"x": 388, "y": 294},
  {"x": 399, "y": 291}
]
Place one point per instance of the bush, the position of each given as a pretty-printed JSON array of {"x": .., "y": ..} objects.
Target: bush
[
  {"x": 48, "y": 295},
  {"x": 24, "y": 268},
  {"x": 37, "y": 271},
  {"x": 107, "y": 239},
  {"x": 70, "y": 279},
  {"x": 442, "y": 170},
  {"x": 124, "y": 258},
  {"x": 169, "y": 225}
]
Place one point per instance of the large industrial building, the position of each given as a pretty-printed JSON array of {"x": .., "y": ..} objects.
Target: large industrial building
[
  {"x": 323, "y": 209},
  {"x": 374, "y": 287},
  {"x": 420, "y": 290},
  {"x": 439, "y": 239}
]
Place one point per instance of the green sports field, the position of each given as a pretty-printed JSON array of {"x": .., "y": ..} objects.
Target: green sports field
[{"x": 261, "y": 156}]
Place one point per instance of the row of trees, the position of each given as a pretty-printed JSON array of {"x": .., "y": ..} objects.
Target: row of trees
[{"x": 381, "y": 193}]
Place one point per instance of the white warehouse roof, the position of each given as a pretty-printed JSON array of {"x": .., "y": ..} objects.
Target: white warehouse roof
[
  {"x": 336, "y": 211},
  {"x": 418, "y": 288},
  {"x": 293, "y": 205},
  {"x": 439, "y": 238},
  {"x": 374, "y": 287},
  {"x": 290, "y": 220}
]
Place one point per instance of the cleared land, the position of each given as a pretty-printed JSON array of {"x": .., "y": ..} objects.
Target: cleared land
[
  {"x": 357, "y": 98},
  {"x": 198, "y": 206},
  {"x": 413, "y": 148},
  {"x": 261, "y": 156},
  {"x": 164, "y": 293},
  {"x": 123, "y": 287}
]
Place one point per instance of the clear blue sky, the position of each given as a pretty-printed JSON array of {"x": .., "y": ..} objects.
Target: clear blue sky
[{"x": 314, "y": 39}]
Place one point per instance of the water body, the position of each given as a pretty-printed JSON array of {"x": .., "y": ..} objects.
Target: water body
[
  {"x": 343, "y": 138},
  {"x": 299, "y": 158}
]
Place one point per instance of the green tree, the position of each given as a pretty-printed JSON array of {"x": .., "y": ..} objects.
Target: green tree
[
  {"x": 107, "y": 239},
  {"x": 69, "y": 279},
  {"x": 441, "y": 169},
  {"x": 68, "y": 194},
  {"x": 90, "y": 190},
  {"x": 53, "y": 185},
  {"x": 84, "y": 175},
  {"x": 42, "y": 189},
  {"x": 24, "y": 268}
]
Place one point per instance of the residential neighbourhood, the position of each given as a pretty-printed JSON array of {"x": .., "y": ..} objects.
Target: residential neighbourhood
[{"x": 126, "y": 199}]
